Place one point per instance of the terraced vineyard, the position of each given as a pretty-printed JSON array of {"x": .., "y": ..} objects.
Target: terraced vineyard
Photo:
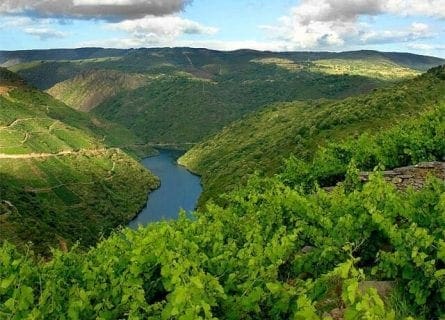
[{"x": 60, "y": 182}]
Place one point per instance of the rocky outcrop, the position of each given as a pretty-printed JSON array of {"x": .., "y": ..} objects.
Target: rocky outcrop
[{"x": 411, "y": 176}]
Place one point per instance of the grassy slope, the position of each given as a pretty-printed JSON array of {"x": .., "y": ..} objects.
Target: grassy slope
[
  {"x": 182, "y": 108},
  {"x": 89, "y": 89},
  {"x": 195, "y": 92},
  {"x": 67, "y": 197},
  {"x": 261, "y": 141}
]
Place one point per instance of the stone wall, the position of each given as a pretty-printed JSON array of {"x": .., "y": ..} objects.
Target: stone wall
[{"x": 414, "y": 176}]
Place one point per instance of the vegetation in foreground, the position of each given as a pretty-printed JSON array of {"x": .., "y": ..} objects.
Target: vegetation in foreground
[
  {"x": 277, "y": 250},
  {"x": 261, "y": 141}
]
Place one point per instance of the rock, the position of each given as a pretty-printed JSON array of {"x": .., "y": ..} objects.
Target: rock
[
  {"x": 390, "y": 173},
  {"x": 405, "y": 176},
  {"x": 337, "y": 314},
  {"x": 383, "y": 288},
  {"x": 410, "y": 176},
  {"x": 307, "y": 249},
  {"x": 396, "y": 180}
]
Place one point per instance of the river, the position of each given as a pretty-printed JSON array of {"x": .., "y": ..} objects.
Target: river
[{"x": 179, "y": 189}]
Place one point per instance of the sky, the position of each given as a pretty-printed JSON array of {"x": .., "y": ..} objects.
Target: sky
[{"x": 416, "y": 26}]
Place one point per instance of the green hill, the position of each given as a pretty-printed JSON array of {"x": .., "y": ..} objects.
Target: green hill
[
  {"x": 280, "y": 247},
  {"x": 89, "y": 89},
  {"x": 182, "y": 108},
  {"x": 262, "y": 140},
  {"x": 192, "y": 93},
  {"x": 61, "y": 179},
  {"x": 33, "y": 63},
  {"x": 9, "y": 58},
  {"x": 274, "y": 251}
]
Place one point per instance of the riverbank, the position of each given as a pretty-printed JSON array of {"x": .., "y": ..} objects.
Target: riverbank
[{"x": 179, "y": 189}]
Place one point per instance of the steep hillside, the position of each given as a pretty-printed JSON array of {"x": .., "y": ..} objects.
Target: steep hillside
[
  {"x": 192, "y": 93},
  {"x": 261, "y": 140},
  {"x": 274, "y": 251},
  {"x": 60, "y": 180},
  {"x": 185, "y": 109},
  {"x": 87, "y": 90}
]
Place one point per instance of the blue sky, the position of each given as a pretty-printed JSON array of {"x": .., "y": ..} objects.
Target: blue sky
[{"x": 391, "y": 25}]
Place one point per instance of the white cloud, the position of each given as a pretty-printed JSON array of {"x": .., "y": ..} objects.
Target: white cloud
[
  {"x": 170, "y": 26},
  {"x": 416, "y": 31},
  {"x": 432, "y": 8},
  {"x": 92, "y": 9},
  {"x": 27, "y": 25},
  {"x": 334, "y": 24},
  {"x": 334, "y": 10},
  {"x": 45, "y": 33},
  {"x": 14, "y": 22},
  {"x": 426, "y": 47},
  {"x": 152, "y": 30}
]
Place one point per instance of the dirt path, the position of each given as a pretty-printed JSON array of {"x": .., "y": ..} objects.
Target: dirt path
[
  {"x": 21, "y": 120},
  {"x": 188, "y": 59},
  {"x": 51, "y": 127},
  {"x": 4, "y": 90},
  {"x": 58, "y": 154}
]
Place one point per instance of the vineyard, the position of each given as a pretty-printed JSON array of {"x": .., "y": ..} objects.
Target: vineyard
[{"x": 281, "y": 248}]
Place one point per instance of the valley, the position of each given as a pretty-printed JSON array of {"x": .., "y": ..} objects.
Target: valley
[
  {"x": 183, "y": 95},
  {"x": 295, "y": 216},
  {"x": 62, "y": 177},
  {"x": 179, "y": 190}
]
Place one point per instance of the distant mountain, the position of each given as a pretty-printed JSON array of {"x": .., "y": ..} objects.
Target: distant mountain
[
  {"x": 8, "y": 58},
  {"x": 415, "y": 61},
  {"x": 61, "y": 177},
  {"x": 262, "y": 140},
  {"x": 182, "y": 95}
]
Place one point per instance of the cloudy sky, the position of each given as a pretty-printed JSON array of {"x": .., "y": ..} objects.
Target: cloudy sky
[{"x": 391, "y": 25}]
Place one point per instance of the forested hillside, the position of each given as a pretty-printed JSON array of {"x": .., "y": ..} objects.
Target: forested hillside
[
  {"x": 192, "y": 93},
  {"x": 262, "y": 140},
  {"x": 61, "y": 177},
  {"x": 89, "y": 89},
  {"x": 278, "y": 249}
]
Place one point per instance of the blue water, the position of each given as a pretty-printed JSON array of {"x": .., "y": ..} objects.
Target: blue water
[{"x": 179, "y": 189}]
